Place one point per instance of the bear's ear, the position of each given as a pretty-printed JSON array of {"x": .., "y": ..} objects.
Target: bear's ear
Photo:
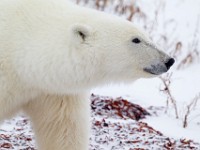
[{"x": 81, "y": 31}]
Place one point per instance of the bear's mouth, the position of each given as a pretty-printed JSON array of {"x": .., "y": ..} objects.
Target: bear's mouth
[{"x": 157, "y": 69}]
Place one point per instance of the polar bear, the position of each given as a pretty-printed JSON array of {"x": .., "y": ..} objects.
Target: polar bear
[{"x": 53, "y": 52}]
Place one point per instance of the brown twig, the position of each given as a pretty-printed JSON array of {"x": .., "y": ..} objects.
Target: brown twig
[
  {"x": 190, "y": 107},
  {"x": 167, "y": 82}
]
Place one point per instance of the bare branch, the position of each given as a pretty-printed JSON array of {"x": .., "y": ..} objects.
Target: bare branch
[
  {"x": 166, "y": 82},
  {"x": 190, "y": 107}
]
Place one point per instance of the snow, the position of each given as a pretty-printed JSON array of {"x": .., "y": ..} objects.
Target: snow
[
  {"x": 172, "y": 127},
  {"x": 116, "y": 125},
  {"x": 146, "y": 93},
  {"x": 138, "y": 91}
]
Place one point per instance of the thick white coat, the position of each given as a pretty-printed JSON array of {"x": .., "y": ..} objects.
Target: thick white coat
[{"x": 52, "y": 53}]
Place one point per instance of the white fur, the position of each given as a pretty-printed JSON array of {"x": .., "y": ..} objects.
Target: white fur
[{"x": 46, "y": 66}]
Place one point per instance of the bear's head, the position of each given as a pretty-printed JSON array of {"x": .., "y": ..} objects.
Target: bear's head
[{"x": 114, "y": 50}]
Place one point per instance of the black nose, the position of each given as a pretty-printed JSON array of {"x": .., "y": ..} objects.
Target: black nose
[{"x": 169, "y": 63}]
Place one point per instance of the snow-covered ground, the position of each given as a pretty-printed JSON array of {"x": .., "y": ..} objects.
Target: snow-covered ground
[{"x": 116, "y": 125}]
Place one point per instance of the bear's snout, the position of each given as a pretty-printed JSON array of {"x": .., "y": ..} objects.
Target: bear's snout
[{"x": 159, "y": 67}]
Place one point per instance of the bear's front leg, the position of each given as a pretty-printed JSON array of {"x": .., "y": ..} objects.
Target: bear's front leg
[
  {"x": 11, "y": 100},
  {"x": 60, "y": 122}
]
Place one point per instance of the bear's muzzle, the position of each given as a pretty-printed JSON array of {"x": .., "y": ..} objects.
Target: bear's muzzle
[{"x": 159, "y": 68}]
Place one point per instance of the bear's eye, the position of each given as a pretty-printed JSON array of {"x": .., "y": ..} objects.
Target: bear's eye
[
  {"x": 82, "y": 35},
  {"x": 136, "y": 40}
]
